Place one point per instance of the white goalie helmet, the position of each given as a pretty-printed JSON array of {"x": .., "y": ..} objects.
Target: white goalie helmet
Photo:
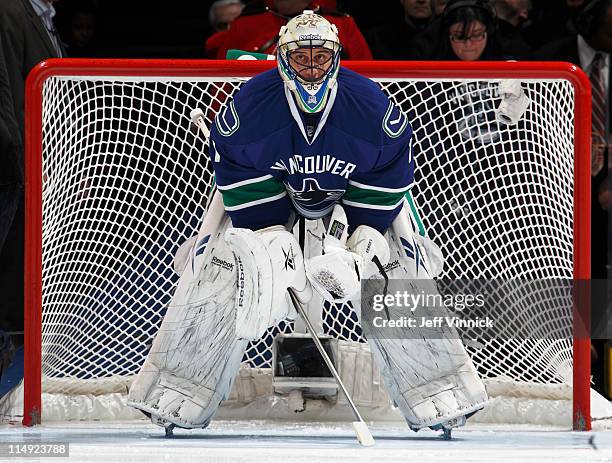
[{"x": 309, "y": 59}]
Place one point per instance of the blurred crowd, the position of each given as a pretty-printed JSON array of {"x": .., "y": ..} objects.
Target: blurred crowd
[{"x": 578, "y": 31}]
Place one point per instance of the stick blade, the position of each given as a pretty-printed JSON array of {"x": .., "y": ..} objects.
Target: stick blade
[{"x": 363, "y": 434}]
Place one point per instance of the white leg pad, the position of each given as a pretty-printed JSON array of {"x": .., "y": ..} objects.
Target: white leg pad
[
  {"x": 432, "y": 381},
  {"x": 196, "y": 354}
]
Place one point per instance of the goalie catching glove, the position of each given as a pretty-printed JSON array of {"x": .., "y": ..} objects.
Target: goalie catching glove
[{"x": 337, "y": 273}]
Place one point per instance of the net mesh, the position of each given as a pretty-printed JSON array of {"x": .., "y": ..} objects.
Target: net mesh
[{"x": 126, "y": 180}]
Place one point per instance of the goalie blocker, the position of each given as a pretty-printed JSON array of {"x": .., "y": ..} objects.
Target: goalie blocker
[{"x": 233, "y": 285}]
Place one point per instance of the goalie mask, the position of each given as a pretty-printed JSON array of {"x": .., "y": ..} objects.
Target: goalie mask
[{"x": 308, "y": 59}]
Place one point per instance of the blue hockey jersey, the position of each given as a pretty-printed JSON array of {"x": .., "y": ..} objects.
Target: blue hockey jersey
[{"x": 269, "y": 157}]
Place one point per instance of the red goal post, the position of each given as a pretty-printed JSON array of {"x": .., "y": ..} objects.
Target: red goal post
[{"x": 37, "y": 115}]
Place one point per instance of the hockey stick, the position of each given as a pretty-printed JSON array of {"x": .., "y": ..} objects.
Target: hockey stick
[{"x": 361, "y": 428}]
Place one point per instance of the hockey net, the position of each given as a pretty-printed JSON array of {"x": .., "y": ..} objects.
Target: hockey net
[{"x": 125, "y": 179}]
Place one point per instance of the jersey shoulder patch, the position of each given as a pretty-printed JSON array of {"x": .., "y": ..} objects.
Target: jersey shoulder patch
[
  {"x": 227, "y": 120},
  {"x": 258, "y": 110},
  {"x": 367, "y": 110},
  {"x": 395, "y": 121}
]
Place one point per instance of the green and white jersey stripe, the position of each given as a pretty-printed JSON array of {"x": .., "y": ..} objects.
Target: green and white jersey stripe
[
  {"x": 414, "y": 214},
  {"x": 373, "y": 197},
  {"x": 251, "y": 192}
]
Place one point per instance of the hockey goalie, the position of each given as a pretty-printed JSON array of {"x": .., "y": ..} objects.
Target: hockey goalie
[{"x": 309, "y": 142}]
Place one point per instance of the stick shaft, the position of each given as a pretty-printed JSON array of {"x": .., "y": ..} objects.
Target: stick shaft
[{"x": 328, "y": 362}]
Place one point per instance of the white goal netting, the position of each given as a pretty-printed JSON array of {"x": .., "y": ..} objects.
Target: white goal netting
[{"x": 126, "y": 180}]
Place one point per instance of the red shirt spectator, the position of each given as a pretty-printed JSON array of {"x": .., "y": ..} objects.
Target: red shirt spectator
[{"x": 259, "y": 32}]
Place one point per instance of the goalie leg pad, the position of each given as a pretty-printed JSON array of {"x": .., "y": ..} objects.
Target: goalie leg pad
[
  {"x": 188, "y": 399},
  {"x": 431, "y": 378},
  {"x": 196, "y": 353},
  {"x": 428, "y": 385}
]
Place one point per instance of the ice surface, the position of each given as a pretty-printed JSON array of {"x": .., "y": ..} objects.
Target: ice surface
[{"x": 266, "y": 442}]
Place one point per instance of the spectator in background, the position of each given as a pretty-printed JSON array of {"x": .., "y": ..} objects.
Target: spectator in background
[
  {"x": 223, "y": 12},
  {"x": 549, "y": 21},
  {"x": 257, "y": 29},
  {"x": 392, "y": 40},
  {"x": 466, "y": 31},
  {"x": 514, "y": 12},
  {"x": 11, "y": 168},
  {"x": 438, "y": 7},
  {"x": 79, "y": 27},
  {"x": 511, "y": 15},
  {"x": 590, "y": 49},
  {"x": 27, "y": 37},
  {"x": 369, "y": 15}
]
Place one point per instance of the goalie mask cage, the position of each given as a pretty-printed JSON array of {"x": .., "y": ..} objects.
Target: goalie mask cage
[{"x": 117, "y": 179}]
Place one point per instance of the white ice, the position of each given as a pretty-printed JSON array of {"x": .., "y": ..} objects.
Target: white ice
[{"x": 266, "y": 442}]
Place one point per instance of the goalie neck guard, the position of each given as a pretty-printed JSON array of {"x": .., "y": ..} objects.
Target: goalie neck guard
[{"x": 308, "y": 59}]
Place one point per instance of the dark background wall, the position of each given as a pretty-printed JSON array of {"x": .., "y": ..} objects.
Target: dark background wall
[{"x": 179, "y": 28}]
